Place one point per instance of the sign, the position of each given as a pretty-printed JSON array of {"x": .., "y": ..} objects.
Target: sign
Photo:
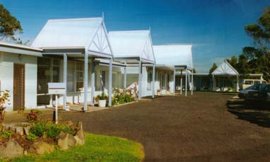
[{"x": 56, "y": 88}]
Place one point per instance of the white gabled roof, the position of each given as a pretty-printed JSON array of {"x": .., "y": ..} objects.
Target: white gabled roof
[
  {"x": 225, "y": 69},
  {"x": 133, "y": 43},
  {"x": 173, "y": 55},
  {"x": 86, "y": 33}
]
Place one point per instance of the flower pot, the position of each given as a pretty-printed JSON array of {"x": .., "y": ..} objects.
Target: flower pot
[{"x": 101, "y": 103}]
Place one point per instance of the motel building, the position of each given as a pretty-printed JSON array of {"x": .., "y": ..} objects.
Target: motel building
[{"x": 88, "y": 60}]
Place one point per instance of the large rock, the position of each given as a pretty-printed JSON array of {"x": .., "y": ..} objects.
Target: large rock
[
  {"x": 26, "y": 130},
  {"x": 79, "y": 136},
  {"x": 66, "y": 141},
  {"x": 19, "y": 130},
  {"x": 41, "y": 147},
  {"x": 11, "y": 150}
]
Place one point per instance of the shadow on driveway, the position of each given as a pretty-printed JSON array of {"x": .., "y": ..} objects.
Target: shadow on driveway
[{"x": 250, "y": 111}]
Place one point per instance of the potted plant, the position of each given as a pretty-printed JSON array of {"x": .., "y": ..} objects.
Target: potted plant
[{"x": 102, "y": 99}]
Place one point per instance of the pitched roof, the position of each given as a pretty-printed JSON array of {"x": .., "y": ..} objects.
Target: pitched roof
[
  {"x": 225, "y": 69},
  {"x": 173, "y": 55},
  {"x": 133, "y": 43},
  {"x": 86, "y": 33}
]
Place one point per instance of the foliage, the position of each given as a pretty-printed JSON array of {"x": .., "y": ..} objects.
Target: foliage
[
  {"x": 50, "y": 130},
  {"x": 31, "y": 137},
  {"x": 3, "y": 99},
  {"x": 103, "y": 96},
  {"x": 122, "y": 96},
  {"x": 213, "y": 68},
  {"x": 8, "y": 24},
  {"x": 32, "y": 116},
  {"x": 96, "y": 148},
  {"x": 6, "y": 134},
  {"x": 256, "y": 58}
]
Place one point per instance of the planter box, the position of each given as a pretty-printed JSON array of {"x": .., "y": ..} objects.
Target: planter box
[{"x": 101, "y": 103}]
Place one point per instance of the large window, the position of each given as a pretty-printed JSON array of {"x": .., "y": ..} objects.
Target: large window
[{"x": 79, "y": 76}]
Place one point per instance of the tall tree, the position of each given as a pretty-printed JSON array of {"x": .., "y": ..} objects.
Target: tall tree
[
  {"x": 9, "y": 25},
  {"x": 213, "y": 68},
  {"x": 259, "y": 55}
]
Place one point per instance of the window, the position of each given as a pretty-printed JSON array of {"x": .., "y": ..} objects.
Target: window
[{"x": 79, "y": 76}]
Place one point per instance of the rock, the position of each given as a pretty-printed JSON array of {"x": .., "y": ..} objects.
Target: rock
[
  {"x": 19, "y": 130},
  {"x": 79, "y": 137},
  {"x": 26, "y": 130},
  {"x": 65, "y": 141},
  {"x": 41, "y": 147},
  {"x": 12, "y": 149}
]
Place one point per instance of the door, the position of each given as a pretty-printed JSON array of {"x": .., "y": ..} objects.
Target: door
[{"x": 18, "y": 86}]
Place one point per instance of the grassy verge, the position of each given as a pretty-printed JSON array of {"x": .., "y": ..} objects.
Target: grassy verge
[{"x": 97, "y": 148}]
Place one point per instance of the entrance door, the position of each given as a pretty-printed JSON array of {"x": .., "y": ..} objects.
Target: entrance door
[{"x": 18, "y": 86}]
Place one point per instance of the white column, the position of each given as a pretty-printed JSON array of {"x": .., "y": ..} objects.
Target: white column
[
  {"x": 192, "y": 83},
  {"x": 140, "y": 79},
  {"x": 51, "y": 80},
  {"x": 93, "y": 82},
  {"x": 186, "y": 83},
  {"x": 153, "y": 80},
  {"x": 237, "y": 83},
  {"x": 174, "y": 72},
  {"x": 181, "y": 82},
  {"x": 110, "y": 84},
  {"x": 125, "y": 77},
  {"x": 85, "y": 81},
  {"x": 65, "y": 81}
]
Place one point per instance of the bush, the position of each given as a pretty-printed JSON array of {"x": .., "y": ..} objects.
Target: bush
[
  {"x": 50, "y": 130},
  {"x": 103, "y": 96},
  {"x": 31, "y": 137},
  {"x": 6, "y": 134},
  {"x": 121, "y": 97}
]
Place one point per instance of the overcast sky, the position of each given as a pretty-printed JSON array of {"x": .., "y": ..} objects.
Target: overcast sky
[{"x": 215, "y": 28}]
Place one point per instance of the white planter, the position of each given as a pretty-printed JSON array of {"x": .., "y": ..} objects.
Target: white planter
[{"x": 101, "y": 103}]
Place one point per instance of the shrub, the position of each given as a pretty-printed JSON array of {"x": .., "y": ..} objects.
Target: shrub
[
  {"x": 6, "y": 134},
  {"x": 3, "y": 99},
  {"x": 31, "y": 137},
  {"x": 50, "y": 130},
  {"x": 32, "y": 116},
  {"x": 122, "y": 96},
  {"x": 103, "y": 96}
]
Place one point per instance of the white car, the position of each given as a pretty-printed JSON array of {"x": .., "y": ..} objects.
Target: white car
[{"x": 249, "y": 82}]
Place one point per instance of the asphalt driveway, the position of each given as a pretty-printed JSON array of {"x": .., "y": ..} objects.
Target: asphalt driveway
[{"x": 178, "y": 128}]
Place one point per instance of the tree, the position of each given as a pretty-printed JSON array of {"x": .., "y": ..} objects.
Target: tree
[
  {"x": 259, "y": 55},
  {"x": 9, "y": 25},
  {"x": 213, "y": 68}
]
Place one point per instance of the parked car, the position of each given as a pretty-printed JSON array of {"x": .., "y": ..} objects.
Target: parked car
[
  {"x": 263, "y": 94},
  {"x": 243, "y": 93}
]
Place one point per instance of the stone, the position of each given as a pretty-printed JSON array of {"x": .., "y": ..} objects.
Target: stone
[
  {"x": 26, "y": 130},
  {"x": 11, "y": 150},
  {"x": 41, "y": 147},
  {"x": 19, "y": 130},
  {"x": 66, "y": 141},
  {"x": 79, "y": 136}
]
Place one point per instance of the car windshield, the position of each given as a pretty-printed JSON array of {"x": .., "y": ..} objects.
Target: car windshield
[{"x": 254, "y": 87}]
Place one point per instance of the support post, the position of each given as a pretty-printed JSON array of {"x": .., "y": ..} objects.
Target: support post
[
  {"x": 56, "y": 109},
  {"x": 93, "y": 82},
  {"x": 237, "y": 83},
  {"x": 85, "y": 81},
  {"x": 153, "y": 80},
  {"x": 125, "y": 77},
  {"x": 65, "y": 81},
  {"x": 174, "y": 73},
  {"x": 140, "y": 79},
  {"x": 186, "y": 83},
  {"x": 181, "y": 82},
  {"x": 110, "y": 84},
  {"x": 51, "y": 80},
  {"x": 192, "y": 83}
]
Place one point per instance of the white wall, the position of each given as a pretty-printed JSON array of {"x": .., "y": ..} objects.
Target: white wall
[{"x": 6, "y": 77}]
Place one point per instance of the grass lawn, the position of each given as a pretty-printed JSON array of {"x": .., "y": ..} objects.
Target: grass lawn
[{"x": 96, "y": 148}]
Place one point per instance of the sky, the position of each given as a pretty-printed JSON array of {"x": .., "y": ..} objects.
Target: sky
[{"x": 215, "y": 28}]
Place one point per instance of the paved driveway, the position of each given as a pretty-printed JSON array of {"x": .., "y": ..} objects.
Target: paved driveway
[{"x": 178, "y": 128}]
